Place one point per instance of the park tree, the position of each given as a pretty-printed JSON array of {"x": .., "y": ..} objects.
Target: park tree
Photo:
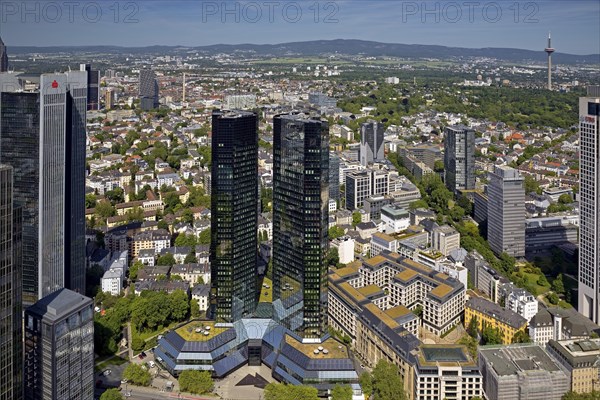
[
  {"x": 185, "y": 241},
  {"x": 196, "y": 382},
  {"x": 137, "y": 375},
  {"x": 179, "y": 305},
  {"x": 134, "y": 269},
  {"x": 558, "y": 284},
  {"x": 553, "y": 298},
  {"x": 281, "y": 391},
  {"x": 491, "y": 335},
  {"x": 366, "y": 382},
  {"x": 104, "y": 209},
  {"x": 341, "y": 392},
  {"x": 356, "y": 218},
  {"x": 111, "y": 394}
]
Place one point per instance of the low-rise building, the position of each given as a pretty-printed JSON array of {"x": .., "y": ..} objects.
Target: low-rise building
[
  {"x": 521, "y": 302},
  {"x": 394, "y": 218},
  {"x": 201, "y": 293},
  {"x": 521, "y": 372},
  {"x": 492, "y": 315},
  {"x": 445, "y": 239},
  {"x": 556, "y": 323},
  {"x": 345, "y": 246}
]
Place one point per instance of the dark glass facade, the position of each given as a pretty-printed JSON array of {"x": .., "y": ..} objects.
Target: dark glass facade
[
  {"x": 3, "y": 57},
  {"x": 148, "y": 90},
  {"x": 42, "y": 136},
  {"x": 334, "y": 177},
  {"x": 300, "y": 222},
  {"x": 10, "y": 290},
  {"x": 459, "y": 158},
  {"x": 234, "y": 214},
  {"x": 93, "y": 87}
]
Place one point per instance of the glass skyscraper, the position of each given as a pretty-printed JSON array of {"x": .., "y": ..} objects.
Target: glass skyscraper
[
  {"x": 459, "y": 158},
  {"x": 234, "y": 214},
  {"x": 148, "y": 90},
  {"x": 371, "y": 142},
  {"x": 10, "y": 291},
  {"x": 42, "y": 136},
  {"x": 3, "y": 57},
  {"x": 300, "y": 223}
]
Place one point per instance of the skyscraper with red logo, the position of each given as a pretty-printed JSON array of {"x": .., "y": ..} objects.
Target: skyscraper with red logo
[{"x": 42, "y": 137}]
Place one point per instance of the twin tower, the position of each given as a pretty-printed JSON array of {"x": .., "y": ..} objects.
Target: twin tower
[{"x": 300, "y": 219}]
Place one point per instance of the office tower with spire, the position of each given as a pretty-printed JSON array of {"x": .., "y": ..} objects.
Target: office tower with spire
[
  {"x": 93, "y": 86},
  {"x": 589, "y": 205},
  {"x": 549, "y": 50},
  {"x": 10, "y": 291},
  {"x": 371, "y": 142},
  {"x": 42, "y": 137},
  {"x": 148, "y": 90},
  {"x": 234, "y": 215},
  {"x": 300, "y": 223},
  {"x": 3, "y": 57},
  {"x": 459, "y": 158},
  {"x": 506, "y": 212}
]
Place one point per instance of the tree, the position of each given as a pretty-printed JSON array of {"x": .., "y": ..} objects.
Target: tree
[
  {"x": 166, "y": 259},
  {"x": 112, "y": 394},
  {"x": 190, "y": 258},
  {"x": 194, "y": 308},
  {"x": 204, "y": 237},
  {"x": 281, "y": 391},
  {"x": 196, "y": 382},
  {"x": 179, "y": 305},
  {"x": 185, "y": 241},
  {"x": 134, "y": 269},
  {"x": 472, "y": 328},
  {"x": 558, "y": 285},
  {"x": 341, "y": 392},
  {"x": 490, "y": 335},
  {"x": 542, "y": 281},
  {"x": 594, "y": 395},
  {"x": 565, "y": 199},
  {"x": 438, "y": 166},
  {"x": 471, "y": 344},
  {"x": 418, "y": 204},
  {"x": 104, "y": 209},
  {"x": 116, "y": 195},
  {"x": 387, "y": 383},
  {"x": 90, "y": 201},
  {"x": 332, "y": 257},
  {"x": 521, "y": 337},
  {"x": 335, "y": 232},
  {"x": 137, "y": 375},
  {"x": 356, "y": 218},
  {"x": 553, "y": 298},
  {"x": 366, "y": 382}
]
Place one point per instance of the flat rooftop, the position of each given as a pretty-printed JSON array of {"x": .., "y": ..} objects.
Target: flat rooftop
[
  {"x": 196, "y": 331},
  {"x": 332, "y": 349},
  {"x": 510, "y": 360}
]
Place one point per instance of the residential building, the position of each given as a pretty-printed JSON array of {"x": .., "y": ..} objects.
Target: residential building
[
  {"x": 11, "y": 334},
  {"x": 394, "y": 218},
  {"x": 491, "y": 315},
  {"x": 47, "y": 155},
  {"x": 521, "y": 372},
  {"x": 109, "y": 99},
  {"x": 589, "y": 205},
  {"x": 556, "y": 323},
  {"x": 112, "y": 282},
  {"x": 580, "y": 359},
  {"x": 156, "y": 240},
  {"x": 345, "y": 246},
  {"x": 459, "y": 158},
  {"x": 201, "y": 293},
  {"x": 148, "y": 90},
  {"x": 521, "y": 302},
  {"x": 506, "y": 212},
  {"x": 59, "y": 348},
  {"x": 371, "y": 142},
  {"x": 300, "y": 223},
  {"x": 234, "y": 214},
  {"x": 446, "y": 372},
  {"x": 445, "y": 239}
]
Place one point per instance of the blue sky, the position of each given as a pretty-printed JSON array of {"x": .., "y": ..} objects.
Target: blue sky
[{"x": 575, "y": 25}]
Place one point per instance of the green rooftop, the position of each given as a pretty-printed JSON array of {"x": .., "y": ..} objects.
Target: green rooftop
[{"x": 197, "y": 331}]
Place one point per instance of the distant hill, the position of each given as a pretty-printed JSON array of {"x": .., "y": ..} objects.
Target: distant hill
[{"x": 321, "y": 47}]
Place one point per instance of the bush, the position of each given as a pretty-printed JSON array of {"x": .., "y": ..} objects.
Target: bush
[{"x": 137, "y": 375}]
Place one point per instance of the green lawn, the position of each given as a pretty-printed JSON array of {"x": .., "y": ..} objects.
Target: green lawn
[
  {"x": 532, "y": 280},
  {"x": 266, "y": 294}
]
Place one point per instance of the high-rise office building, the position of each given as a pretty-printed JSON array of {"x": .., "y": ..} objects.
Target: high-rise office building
[
  {"x": 234, "y": 214},
  {"x": 42, "y": 136},
  {"x": 459, "y": 158},
  {"x": 3, "y": 57},
  {"x": 148, "y": 90},
  {"x": 300, "y": 223},
  {"x": 10, "y": 291},
  {"x": 371, "y": 142},
  {"x": 93, "y": 86},
  {"x": 589, "y": 205},
  {"x": 334, "y": 176},
  {"x": 506, "y": 212},
  {"x": 109, "y": 99},
  {"x": 59, "y": 348}
]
